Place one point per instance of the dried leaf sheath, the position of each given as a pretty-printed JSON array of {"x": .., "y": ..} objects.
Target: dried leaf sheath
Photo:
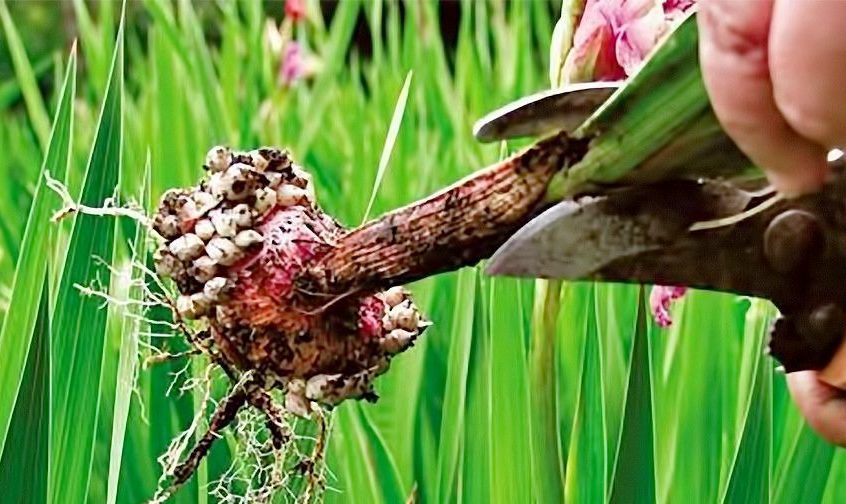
[{"x": 456, "y": 227}]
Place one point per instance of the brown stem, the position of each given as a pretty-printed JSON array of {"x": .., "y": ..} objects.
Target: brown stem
[{"x": 456, "y": 227}]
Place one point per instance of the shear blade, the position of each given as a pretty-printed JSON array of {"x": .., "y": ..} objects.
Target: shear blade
[
  {"x": 540, "y": 113},
  {"x": 628, "y": 236}
]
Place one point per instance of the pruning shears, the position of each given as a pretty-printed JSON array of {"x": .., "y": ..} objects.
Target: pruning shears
[{"x": 700, "y": 232}]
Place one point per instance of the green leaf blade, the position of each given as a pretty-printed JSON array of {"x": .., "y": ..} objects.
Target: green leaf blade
[
  {"x": 26, "y": 77},
  {"x": 510, "y": 436},
  {"x": 16, "y": 332},
  {"x": 587, "y": 464},
  {"x": 23, "y": 466},
  {"x": 448, "y": 485},
  {"x": 131, "y": 327},
  {"x": 634, "y": 473},
  {"x": 545, "y": 404},
  {"x": 79, "y": 322}
]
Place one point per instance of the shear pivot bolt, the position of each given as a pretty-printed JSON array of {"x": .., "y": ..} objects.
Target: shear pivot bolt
[
  {"x": 791, "y": 239},
  {"x": 827, "y": 323}
]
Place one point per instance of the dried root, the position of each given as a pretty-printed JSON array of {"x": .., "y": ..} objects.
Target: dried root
[{"x": 221, "y": 419}]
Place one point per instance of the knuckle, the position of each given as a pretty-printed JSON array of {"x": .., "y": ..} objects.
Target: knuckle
[{"x": 732, "y": 34}]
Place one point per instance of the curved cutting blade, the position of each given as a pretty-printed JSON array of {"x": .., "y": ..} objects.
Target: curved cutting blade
[
  {"x": 625, "y": 236},
  {"x": 544, "y": 112}
]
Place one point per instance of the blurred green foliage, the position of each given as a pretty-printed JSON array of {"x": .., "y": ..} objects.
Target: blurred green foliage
[{"x": 512, "y": 396}]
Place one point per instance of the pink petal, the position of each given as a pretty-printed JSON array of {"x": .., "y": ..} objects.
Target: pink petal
[
  {"x": 295, "y": 9},
  {"x": 660, "y": 300},
  {"x": 613, "y": 37},
  {"x": 638, "y": 32},
  {"x": 291, "y": 63},
  {"x": 593, "y": 54},
  {"x": 638, "y": 37},
  {"x": 672, "y": 7},
  {"x": 620, "y": 13}
]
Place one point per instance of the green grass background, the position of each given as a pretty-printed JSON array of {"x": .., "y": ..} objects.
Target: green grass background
[{"x": 521, "y": 391}]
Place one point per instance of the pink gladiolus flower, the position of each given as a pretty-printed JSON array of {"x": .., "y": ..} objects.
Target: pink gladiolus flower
[
  {"x": 675, "y": 7},
  {"x": 659, "y": 302},
  {"x": 295, "y": 9},
  {"x": 614, "y": 36},
  {"x": 593, "y": 55},
  {"x": 292, "y": 63}
]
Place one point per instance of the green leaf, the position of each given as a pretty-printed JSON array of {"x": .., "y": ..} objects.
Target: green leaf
[
  {"x": 452, "y": 427},
  {"x": 341, "y": 32},
  {"x": 16, "y": 332},
  {"x": 369, "y": 473},
  {"x": 26, "y": 78},
  {"x": 428, "y": 410},
  {"x": 130, "y": 328},
  {"x": 692, "y": 373},
  {"x": 10, "y": 90},
  {"x": 634, "y": 472},
  {"x": 388, "y": 479},
  {"x": 94, "y": 51},
  {"x": 79, "y": 323},
  {"x": 750, "y": 476},
  {"x": 806, "y": 469},
  {"x": 547, "y": 469},
  {"x": 23, "y": 467},
  {"x": 477, "y": 472},
  {"x": 510, "y": 416},
  {"x": 195, "y": 56},
  {"x": 836, "y": 487},
  {"x": 616, "y": 313},
  {"x": 587, "y": 464},
  {"x": 390, "y": 139},
  {"x": 750, "y": 473}
]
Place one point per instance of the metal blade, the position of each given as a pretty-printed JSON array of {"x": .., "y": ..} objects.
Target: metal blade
[
  {"x": 789, "y": 251},
  {"x": 554, "y": 110},
  {"x": 641, "y": 234}
]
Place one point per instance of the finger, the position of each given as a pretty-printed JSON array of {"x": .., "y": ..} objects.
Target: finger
[
  {"x": 834, "y": 372},
  {"x": 808, "y": 68},
  {"x": 733, "y": 54},
  {"x": 822, "y": 405}
]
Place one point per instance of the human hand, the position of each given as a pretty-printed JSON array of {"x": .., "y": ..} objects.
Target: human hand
[
  {"x": 775, "y": 71},
  {"x": 822, "y": 405}
]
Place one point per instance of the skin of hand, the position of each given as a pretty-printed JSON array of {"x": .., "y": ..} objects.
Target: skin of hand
[{"x": 775, "y": 71}]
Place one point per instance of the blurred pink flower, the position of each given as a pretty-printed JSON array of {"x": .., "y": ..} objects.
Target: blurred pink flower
[
  {"x": 295, "y": 9},
  {"x": 614, "y": 36},
  {"x": 676, "y": 7},
  {"x": 298, "y": 63},
  {"x": 659, "y": 302},
  {"x": 292, "y": 63}
]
